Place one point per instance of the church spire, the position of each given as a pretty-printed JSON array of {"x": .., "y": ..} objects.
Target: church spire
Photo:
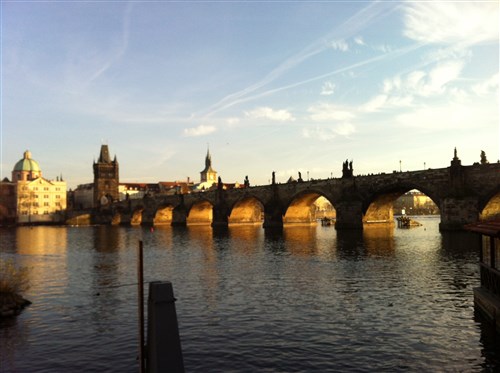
[{"x": 208, "y": 159}]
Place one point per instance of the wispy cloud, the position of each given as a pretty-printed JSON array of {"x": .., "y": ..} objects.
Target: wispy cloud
[
  {"x": 488, "y": 86},
  {"x": 119, "y": 52},
  {"x": 323, "y": 133},
  {"x": 340, "y": 45},
  {"x": 349, "y": 28},
  {"x": 327, "y": 89},
  {"x": 328, "y": 112},
  {"x": 201, "y": 130},
  {"x": 446, "y": 22},
  {"x": 271, "y": 114}
]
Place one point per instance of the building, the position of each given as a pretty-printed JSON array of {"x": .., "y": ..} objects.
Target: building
[
  {"x": 415, "y": 203},
  {"x": 487, "y": 296},
  {"x": 208, "y": 177},
  {"x": 29, "y": 198},
  {"x": 106, "y": 179},
  {"x": 105, "y": 188}
]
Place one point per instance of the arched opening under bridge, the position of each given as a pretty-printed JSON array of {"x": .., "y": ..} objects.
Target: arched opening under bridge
[
  {"x": 200, "y": 213},
  {"x": 398, "y": 202},
  {"x": 136, "y": 218},
  {"x": 492, "y": 208},
  {"x": 307, "y": 208},
  {"x": 247, "y": 211},
  {"x": 163, "y": 215}
]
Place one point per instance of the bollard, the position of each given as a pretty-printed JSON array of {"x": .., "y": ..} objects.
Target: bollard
[{"x": 163, "y": 341}]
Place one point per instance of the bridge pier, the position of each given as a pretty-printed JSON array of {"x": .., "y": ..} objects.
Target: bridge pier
[
  {"x": 273, "y": 215},
  {"x": 456, "y": 212},
  {"x": 349, "y": 215},
  {"x": 179, "y": 216},
  {"x": 220, "y": 218}
]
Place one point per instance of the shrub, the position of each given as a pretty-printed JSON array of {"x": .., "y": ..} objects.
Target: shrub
[{"x": 13, "y": 279}]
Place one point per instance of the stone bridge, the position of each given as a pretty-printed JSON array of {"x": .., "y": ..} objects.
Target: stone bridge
[{"x": 464, "y": 194}]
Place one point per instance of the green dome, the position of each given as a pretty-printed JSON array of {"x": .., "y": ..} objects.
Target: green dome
[{"x": 27, "y": 164}]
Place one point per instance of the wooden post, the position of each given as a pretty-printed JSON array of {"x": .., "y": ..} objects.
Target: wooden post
[
  {"x": 140, "y": 289},
  {"x": 164, "y": 344}
]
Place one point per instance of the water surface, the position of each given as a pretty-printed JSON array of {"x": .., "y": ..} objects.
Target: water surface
[{"x": 310, "y": 299}]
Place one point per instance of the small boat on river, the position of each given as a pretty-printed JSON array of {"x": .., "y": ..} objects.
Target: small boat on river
[{"x": 407, "y": 222}]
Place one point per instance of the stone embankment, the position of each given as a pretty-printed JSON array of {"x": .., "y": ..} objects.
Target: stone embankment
[{"x": 12, "y": 304}]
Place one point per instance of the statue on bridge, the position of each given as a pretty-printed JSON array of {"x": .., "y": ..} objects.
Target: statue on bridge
[
  {"x": 347, "y": 170},
  {"x": 300, "y": 178},
  {"x": 274, "y": 178},
  {"x": 246, "y": 182}
]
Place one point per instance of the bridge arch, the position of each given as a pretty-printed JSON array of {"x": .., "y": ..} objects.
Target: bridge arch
[
  {"x": 163, "y": 215},
  {"x": 301, "y": 208},
  {"x": 248, "y": 210},
  {"x": 489, "y": 206},
  {"x": 200, "y": 212},
  {"x": 378, "y": 207},
  {"x": 136, "y": 218}
]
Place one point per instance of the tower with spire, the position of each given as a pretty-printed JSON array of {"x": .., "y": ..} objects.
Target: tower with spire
[
  {"x": 208, "y": 175},
  {"x": 106, "y": 178}
]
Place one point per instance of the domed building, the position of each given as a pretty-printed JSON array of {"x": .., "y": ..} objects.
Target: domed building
[
  {"x": 30, "y": 198},
  {"x": 26, "y": 169}
]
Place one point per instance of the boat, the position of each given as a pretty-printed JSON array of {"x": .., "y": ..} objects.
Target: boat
[{"x": 407, "y": 222}]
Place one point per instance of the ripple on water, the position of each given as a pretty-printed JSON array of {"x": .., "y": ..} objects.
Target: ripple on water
[{"x": 308, "y": 300}]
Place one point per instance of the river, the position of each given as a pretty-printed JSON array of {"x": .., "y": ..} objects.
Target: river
[{"x": 311, "y": 299}]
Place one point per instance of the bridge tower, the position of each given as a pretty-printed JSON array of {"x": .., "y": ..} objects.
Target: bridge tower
[
  {"x": 459, "y": 207},
  {"x": 106, "y": 178}
]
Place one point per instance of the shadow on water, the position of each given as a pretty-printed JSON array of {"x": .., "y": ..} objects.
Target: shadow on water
[
  {"x": 490, "y": 341},
  {"x": 350, "y": 244}
]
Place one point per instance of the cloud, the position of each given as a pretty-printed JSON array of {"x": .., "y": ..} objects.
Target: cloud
[
  {"x": 402, "y": 90},
  {"x": 442, "y": 22},
  {"x": 271, "y": 114},
  {"x": 453, "y": 116},
  {"x": 488, "y": 86},
  {"x": 327, "y": 89},
  {"x": 359, "y": 40},
  {"x": 122, "y": 46},
  {"x": 328, "y": 133},
  {"x": 328, "y": 112},
  {"x": 352, "y": 26},
  {"x": 201, "y": 130},
  {"x": 232, "y": 121},
  {"x": 340, "y": 45}
]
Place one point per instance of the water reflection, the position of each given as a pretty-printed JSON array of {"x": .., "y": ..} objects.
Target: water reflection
[
  {"x": 379, "y": 240},
  {"x": 250, "y": 299}
]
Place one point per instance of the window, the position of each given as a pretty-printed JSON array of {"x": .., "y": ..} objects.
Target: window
[
  {"x": 46, "y": 212},
  {"x": 46, "y": 188},
  {"x": 46, "y": 196},
  {"x": 46, "y": 204},
  {"x": 58, "y": 203},
  {"x": 58, "y": 196}
]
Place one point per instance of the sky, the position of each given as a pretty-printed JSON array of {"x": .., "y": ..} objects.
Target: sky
[{"x": 282, "y": 86}]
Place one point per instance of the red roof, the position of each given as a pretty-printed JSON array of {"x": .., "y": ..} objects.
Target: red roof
[{"x": 490, "y": 228}]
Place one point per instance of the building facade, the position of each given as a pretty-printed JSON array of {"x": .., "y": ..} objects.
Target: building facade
[{"x": 29, "y": 198}]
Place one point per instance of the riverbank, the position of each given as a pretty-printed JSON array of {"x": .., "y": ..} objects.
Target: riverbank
[{"x": 12, "y": 304}]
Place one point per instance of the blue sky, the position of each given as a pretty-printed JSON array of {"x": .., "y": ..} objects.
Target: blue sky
[{"x": 268, "y": 86}]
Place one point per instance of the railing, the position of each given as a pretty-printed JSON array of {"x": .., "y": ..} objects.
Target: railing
[{"x": 490, "y": 279}]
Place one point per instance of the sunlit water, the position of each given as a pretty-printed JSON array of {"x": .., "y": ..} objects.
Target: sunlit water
[{"x": 308, "y": 300}]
